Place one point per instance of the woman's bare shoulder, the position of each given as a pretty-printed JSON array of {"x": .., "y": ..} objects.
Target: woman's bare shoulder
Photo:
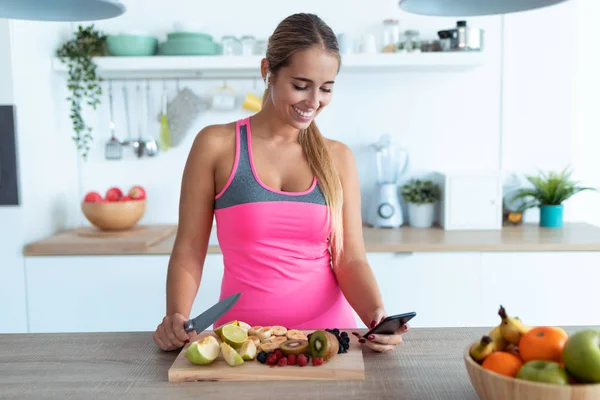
[
  {"x": 341, "y": 154},
  {"x": 214, "y": 139}
]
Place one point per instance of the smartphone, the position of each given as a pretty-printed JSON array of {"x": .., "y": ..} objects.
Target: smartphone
[{"x": 391, "y": 324}]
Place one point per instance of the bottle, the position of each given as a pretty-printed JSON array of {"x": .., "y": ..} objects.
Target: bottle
[{"x": 461, "y": 27}]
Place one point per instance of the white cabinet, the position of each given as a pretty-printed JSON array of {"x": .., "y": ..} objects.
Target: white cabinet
[
  {"x": 106, "y": 293},
  {"x": 444, "y": 289},
  {"x": 470, "y": 200},
  {"x": 542, "y": 288}
]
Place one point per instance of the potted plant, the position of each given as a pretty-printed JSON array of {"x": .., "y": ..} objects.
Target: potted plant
[
  {"x": 421, "y": 196},
  {"x": 549, "y": 191},
  {"x": 83, "y": 83}
]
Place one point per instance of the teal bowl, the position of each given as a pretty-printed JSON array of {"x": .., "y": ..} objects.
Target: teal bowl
[
  {"x": 131, "y": 45},
  {"x": 186, "y": 46}
]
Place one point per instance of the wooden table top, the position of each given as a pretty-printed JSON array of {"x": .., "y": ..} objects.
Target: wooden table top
[
  {"x": 428, "y": 365},
  {"x": 527, "y": 237}
]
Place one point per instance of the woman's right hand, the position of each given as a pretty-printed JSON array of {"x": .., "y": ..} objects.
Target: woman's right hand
[{"x": 170, "y": 335}]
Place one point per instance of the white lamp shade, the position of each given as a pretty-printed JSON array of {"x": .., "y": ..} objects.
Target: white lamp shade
[
  {"x": 465, "y": 8},
  {"x": 61, "y": 10}
]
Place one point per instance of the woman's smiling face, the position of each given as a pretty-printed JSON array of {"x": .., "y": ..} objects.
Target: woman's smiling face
[{"x": 304, "y": 87}]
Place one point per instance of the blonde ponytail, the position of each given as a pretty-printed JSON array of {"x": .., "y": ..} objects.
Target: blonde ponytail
[{"x": 323, "y": 166}]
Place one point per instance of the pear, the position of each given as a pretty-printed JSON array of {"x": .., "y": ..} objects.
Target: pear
[
  {"x": 203, "y": 351},
  {"x": 231, "y": 356},
  {"x": 248, "y": 350}
]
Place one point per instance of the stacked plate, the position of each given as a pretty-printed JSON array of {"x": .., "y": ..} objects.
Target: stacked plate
[{"x": 189, "y": 44}]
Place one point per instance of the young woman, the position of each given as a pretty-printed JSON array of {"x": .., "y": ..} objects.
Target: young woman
[{"x": 286, "y": 203}]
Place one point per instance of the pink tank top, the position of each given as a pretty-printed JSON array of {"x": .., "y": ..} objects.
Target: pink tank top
[{"x": 276, "y": 251}]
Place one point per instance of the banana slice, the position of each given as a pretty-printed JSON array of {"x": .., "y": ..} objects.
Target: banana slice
[
  {"x": 279, "y": 330},
  {"x": 253, "y": 331},
  {"x": 269, "y": 346},
  {"x": 296, "y": 334},
  {"x": 278, "y": 339},
  {"x": 265, "y": 332},
  {"x": 255, "y": 339}
]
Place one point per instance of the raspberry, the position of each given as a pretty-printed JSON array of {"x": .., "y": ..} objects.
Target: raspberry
[
  {"x": 302, "y": 361},
  {"x": 316, "y": 361},
  {"x": 291, "y": 359},
  {"x": 272, "y": 359},
  {"x": 282, "y": 362},
  {"x": 278, "y": 353}
]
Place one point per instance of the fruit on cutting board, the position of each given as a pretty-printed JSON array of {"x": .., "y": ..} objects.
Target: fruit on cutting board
[
  {"x": 543, "y": 371},
  {"x": 539, "y": 353},
  {"x": 294, "y": 346},
  {"x": 323, "y": 344},
  {"x": 203, "y": 351},
  {"x": 231, "y": 356},
  {"x": 233, "y": 335},
  {"x": 581, "y": 355},
  {"x": 248, "y": 350}
]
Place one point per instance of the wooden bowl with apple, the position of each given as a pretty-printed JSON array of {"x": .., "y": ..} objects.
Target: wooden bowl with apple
[
  {"x": 541, "y": 362},
  {"x": 116, "y": 211}
]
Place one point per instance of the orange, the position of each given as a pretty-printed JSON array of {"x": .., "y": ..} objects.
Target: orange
[
  {"x": 503, "y": 363},
  {"x": 543, "y": 343}
]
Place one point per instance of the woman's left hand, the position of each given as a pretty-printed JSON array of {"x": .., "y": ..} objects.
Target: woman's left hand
[{"x": 381, "y": 343}]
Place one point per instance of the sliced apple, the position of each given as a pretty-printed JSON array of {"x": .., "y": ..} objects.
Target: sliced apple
[
  {"x": 203, "y": 351},
  {"x": 248, "y": 350},
  {"x": 231, "y": 356}
]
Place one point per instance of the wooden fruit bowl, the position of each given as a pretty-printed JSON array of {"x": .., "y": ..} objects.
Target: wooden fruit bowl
[
  {"x": 492, "y": 386},
  {"x": 114, "y": 216}
]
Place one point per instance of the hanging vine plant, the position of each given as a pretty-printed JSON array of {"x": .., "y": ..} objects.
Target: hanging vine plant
[{"x": 83, "y": 82}]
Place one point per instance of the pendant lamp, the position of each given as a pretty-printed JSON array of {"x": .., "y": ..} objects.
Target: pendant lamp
[
  {"x": 61, "y": 10},
  {"x": 470, "y": 8}
]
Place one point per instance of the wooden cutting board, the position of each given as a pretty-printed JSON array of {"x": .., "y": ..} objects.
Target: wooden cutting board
[
  {"x": 91, "y": 241},
  {"x": 344, "y": 366}
]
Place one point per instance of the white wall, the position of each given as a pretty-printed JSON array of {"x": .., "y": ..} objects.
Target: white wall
[{"x": 12, "y": 278}]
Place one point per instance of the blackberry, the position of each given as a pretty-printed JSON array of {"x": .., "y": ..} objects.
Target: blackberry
[
  {"x": 344, "y": 334},
  {"x": 336, "y": 331},
  {"x": 341, "y": 349}
]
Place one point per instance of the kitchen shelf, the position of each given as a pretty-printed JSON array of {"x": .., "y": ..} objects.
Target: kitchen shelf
[{"x": 157, "y": 67}]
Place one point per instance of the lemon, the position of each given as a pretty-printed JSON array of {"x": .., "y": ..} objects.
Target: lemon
[
  {"x": 248, "y": 350},
  {"x": 203, "y": 351},
  {"x": 220, "y": 328},
  {"x": 231, "y": 356},
  {"x": 233, "y": 335}
]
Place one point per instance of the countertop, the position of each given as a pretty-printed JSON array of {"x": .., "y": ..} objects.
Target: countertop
[
  {"x": 527, "y": 237},
  {"x": 122, "y": 365}
]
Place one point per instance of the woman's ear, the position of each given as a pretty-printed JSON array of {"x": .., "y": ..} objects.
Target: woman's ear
[{"x": 264, "y": 69}]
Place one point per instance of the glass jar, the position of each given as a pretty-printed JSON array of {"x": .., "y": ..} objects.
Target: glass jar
[
  {"x": 391, "y": 35},
  {"x": 260, "y": 48},
  {"x": 248, "y": 42},
  {"x": 230, "y": 45},
  {"x": 413, "y": 44}
]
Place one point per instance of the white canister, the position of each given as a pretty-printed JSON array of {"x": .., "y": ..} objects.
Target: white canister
[{"x": 421, "y": 215}]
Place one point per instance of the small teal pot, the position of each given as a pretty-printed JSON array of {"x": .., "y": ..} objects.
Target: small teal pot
[{"x": 551, "y": 216}]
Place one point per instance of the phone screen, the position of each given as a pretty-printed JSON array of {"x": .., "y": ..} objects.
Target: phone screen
[{"x": 391, "y": 324}]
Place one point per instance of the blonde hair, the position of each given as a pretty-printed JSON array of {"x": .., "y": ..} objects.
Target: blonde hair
[{"x": 299, "y": 32}]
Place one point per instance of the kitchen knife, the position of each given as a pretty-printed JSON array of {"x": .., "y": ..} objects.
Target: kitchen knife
[{"x": 204, "y": 320}]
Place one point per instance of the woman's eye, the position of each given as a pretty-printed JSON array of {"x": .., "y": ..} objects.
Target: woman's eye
[
  {"x": 326, "y": 90},
  {"x": 300, "y": 87}
]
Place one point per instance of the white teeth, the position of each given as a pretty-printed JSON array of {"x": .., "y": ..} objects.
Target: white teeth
[{"x": 303, "y": 113}]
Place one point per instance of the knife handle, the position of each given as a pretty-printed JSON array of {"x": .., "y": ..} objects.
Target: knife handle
[{"x": 188, "y": 326}]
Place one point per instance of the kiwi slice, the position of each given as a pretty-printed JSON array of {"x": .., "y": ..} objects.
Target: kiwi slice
[
  {"x": 323, "y": 344},
  {"x": 294, "y": 346}
]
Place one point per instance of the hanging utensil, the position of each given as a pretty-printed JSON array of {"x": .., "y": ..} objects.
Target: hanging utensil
[
  {"x": 151, "y": 146},
  {"x": 112, "y": 149},
  {"x": 129, "y": 141},
  {"x": 165, "y": 134}
]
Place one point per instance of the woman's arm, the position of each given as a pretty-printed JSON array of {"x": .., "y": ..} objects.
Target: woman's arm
[
  {"x": 191, "y": 242},
  {"x": 354, "y": 275}
]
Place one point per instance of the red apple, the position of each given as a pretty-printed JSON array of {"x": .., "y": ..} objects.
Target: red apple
[
  {"x": 125, "y": 198},
  {"x": 114, "y": 194},
  {"x": 137, "y": 193},
  {"x": 93, "y": 197}
]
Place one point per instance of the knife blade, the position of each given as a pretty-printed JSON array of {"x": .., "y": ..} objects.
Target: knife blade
[{"x": 204, "y": 320}]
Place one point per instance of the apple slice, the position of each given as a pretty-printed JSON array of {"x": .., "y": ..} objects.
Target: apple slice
[
  {"x": 231, "y": 356},
  {"x": 248, "y": 350},
  {"x": 203, "y": 351}
]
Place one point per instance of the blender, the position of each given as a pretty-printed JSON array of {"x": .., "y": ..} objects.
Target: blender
[{"x": 384, "y": 209}]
